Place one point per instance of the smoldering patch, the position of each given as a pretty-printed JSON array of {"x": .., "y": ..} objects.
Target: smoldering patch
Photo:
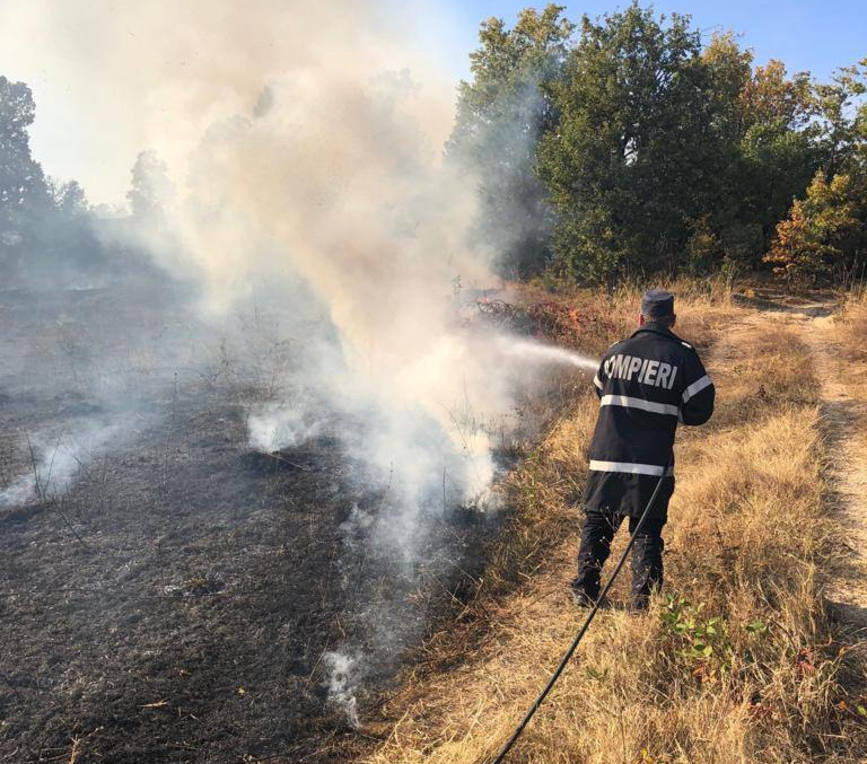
[{"x": 344, "y": 672}]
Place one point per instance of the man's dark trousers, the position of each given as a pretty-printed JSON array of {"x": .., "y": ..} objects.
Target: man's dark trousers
[{"x": 599, "y": 529}]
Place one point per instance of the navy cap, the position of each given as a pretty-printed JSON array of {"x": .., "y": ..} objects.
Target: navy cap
[{"x": 657, "y": 303}]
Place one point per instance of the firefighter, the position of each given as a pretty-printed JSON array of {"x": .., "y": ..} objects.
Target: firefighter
[{"x": 646, "y": 385}]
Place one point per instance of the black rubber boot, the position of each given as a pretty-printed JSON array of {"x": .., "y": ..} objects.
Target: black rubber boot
[
  {"x": 596, "y": 535},
  {"x": 646, "y": 563}
]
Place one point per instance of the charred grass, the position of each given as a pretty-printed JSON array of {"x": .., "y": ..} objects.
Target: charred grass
[
  {"x": 174, "y": 600},
  {"x": 737, "y": 659}
]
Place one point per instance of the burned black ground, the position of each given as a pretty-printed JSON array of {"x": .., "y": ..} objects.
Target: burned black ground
[{"x": 175, "y": 601}]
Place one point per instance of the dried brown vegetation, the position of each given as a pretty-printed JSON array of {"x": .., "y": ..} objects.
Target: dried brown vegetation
[
  {"x": 852, "y": 328},
  {"x": 737, "y": 661}
]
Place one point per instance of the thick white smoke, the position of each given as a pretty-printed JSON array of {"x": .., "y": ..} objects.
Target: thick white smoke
[
  {"x": 304, "y": 146},
  {"x": 303, "y": 143}
]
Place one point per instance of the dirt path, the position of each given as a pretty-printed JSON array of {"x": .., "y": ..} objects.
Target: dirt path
[{"x": 844, "y": 414}]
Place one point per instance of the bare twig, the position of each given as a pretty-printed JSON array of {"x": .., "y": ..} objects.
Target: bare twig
[
  {"x": 34, "y": 466},
  {"x": 56, "y": 505},
  {"x": 73, "y": 754}
]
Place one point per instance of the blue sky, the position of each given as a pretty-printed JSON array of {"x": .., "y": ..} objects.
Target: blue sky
[{"x": 807, "y": 35}]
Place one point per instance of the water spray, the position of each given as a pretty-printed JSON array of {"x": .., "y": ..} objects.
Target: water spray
[{"x": 530, "y": 350}]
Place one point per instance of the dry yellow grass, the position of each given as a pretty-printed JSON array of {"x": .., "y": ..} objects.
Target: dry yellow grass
[
  {"x": 850, "y": 331},
  {"x": 737, "y": 662}
]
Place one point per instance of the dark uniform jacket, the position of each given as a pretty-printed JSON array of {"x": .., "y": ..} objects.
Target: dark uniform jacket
[{"x": 646, "y": 385}]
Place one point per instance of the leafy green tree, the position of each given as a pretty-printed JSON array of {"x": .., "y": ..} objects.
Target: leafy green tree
[
  {"x": 727, "y": 232},
  {"x": 67, "y": 237},
  {"x": 825, "y": 233},
  {"x": 70, "y": 200},
  {"x": 46, "y": 232},
  {"x": 775, "y": 160},
  {"x": 21, "y": 178},
  {"x": 769, "y": 98},
  {"x": 639, "y": 153},
  {"x": 24, "y": 194},
  {"x": 842, "y": 119},
  {"x": 729, "y": 69},
  {"x": 501, "y": 115}
]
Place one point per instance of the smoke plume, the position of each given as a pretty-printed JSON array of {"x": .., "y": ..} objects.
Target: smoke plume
[{"x": 302, "y": 145}]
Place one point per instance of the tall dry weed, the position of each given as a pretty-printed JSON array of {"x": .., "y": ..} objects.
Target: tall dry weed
[{"x": 851, "y": 328}]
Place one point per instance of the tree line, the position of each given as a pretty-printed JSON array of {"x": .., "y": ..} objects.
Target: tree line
[
  {"x": 627, "y": 146},
  {"x": 617, "y": 147},
  {"x": 36, "y": 213},
  {"x": 47, "y": 228}
]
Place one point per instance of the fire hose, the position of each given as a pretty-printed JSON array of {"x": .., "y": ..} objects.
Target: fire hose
[{"x": 583, "y": 630}]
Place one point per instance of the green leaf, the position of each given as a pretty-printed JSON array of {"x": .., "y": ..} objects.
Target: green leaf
[{"x": 757, "y": 627}]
